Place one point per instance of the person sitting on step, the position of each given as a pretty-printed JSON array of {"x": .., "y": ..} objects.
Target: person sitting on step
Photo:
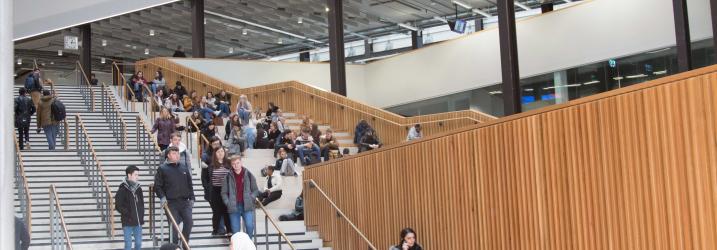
[
  {"x": 272, "y": 191},
  {"x": 305, "y": 146}
]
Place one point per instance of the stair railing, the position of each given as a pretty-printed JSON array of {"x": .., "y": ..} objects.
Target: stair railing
[
  {"x": 171, "y": 221},
  {"x": 150, "y": 105},
  {"x": 111, "y": 112},
  {"x": 64, "y": 133},
  {"x": 23, "y": 189},
  {"x": 267, "y": 219},
  {"x": 200, "y": 138},
  {"x": 52, "y": 85},
  {"x": 340, "y": 214},
  {"x": 59, "y": 237},
  {"x": 147, "y": 145},
  {"x": 85, "y": 87},
  {"x": 95, "y": 174},
  {"x": 125, "y": 91}
]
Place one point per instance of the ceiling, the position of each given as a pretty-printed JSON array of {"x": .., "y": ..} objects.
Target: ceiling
[{"x": 127, "y": 36}]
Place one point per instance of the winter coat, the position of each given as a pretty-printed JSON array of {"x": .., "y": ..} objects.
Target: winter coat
[
  {"x": 129, "y": 202},
  {"x": 32, "y": 83},
  {"x": 24, "y": 109},
  {"x": 174, "y": 182},
  {"x": 44, "y": 112},
  {"x": 229, "y": 191},
  {"x": 165, "y": 127}
]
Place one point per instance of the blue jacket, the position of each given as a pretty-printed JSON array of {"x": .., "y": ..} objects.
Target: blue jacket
[{"x": 32, "y": 84}]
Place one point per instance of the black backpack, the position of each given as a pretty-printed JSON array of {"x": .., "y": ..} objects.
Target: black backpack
[{"x": 58, "y": 110}]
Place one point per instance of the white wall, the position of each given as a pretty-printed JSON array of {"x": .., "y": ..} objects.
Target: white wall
[
  {"x": 593, "y": 31},
  {"x": 254, "y": 73},
  {"x": 35, "y": 17}
]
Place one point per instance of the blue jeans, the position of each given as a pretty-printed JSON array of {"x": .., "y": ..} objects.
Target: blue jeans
[
  {"x": 224, "y": 108},
  {"x": 248, "y": 217},
  {"x": 128, "y": 232},
  {"x": 206, "y": 114},
  {"x": 250, "y": 135},
  {"x": 302, "y": 150},
  {"x": 51, "y": 135},
  {"x": 244, "y": 115}
]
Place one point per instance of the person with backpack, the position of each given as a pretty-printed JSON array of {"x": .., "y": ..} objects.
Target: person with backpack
[
  {"x": 33, "y": 86},
  {"x": 24, "y": 109},
  {"x": 129, "y": 202},
  {"x": 49, "y": 114}
]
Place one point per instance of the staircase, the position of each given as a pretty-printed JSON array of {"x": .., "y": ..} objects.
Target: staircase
[{"x": 84, "y": 222}]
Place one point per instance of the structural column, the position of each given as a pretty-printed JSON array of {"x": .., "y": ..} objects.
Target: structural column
[
  {"x": 713, "y": 8},
  {"x": 479, "y": 24},
  {"x": 86, "y": 49},
  {"x": 368, "y": 47},
  {"x": 682, "y": 34},
  {"x": 546, "y": 6},
  {"x": 305, "y": 56},
  {"x": 198, "y": 49},
  {"x": 416, "y": 39},
  {"x": 336, "y": 47},
  {"x": 7, "y": 147},
  {"x": 509, "y": 57}
]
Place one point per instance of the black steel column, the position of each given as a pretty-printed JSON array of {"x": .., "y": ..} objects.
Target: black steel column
[
  {"x": 682, "y": 34},
  {"x": 416, "y": 40},
  {"x": 713, "y": 7},
  {"x": 368, "y": 47},
  {"x": 546, "y": 6},
  {"x": 336, "y": 47},
  {"x": 305, "y": 57},
  {"x": 86, "y": 48},
  {"x": 509, "y": 57},
  {"x": 479, "y": 24},
  {"x": 198, "y": 49}
]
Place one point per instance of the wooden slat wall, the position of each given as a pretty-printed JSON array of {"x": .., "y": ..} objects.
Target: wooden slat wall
[
  {"x": 325, "y": 107},
  {"x": 634, "y": 168}
]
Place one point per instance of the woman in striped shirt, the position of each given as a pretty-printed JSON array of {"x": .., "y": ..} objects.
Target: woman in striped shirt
[{"x": 217, "y": 171}]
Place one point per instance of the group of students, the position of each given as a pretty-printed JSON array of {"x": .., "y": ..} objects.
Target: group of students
[{"x": 43, "y": 103}]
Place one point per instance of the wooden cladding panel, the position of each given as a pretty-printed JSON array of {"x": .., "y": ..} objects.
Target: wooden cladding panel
[
  {"x": 634, "y": 168},
  {"x": 325, "y": 107}
]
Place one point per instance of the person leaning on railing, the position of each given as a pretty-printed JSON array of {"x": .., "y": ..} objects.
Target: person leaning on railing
[
  {"x": 129, "y": 202},
  {"x": 369, "y": 141},
  {"x": 173, "y": 186}
]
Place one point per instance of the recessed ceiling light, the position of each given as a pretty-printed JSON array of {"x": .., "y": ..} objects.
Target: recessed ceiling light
[
  {"x": 301, "y": 20},
  {"x": 19, "y": 61},
  {"x": 146, "y": 51},
  {"x": 327, "y": 9},
  {"x": 231, "y": 50},
  {"x": 102, "y": 60},
  {"x": 151, "y": 32},
  {"x": 134, "y": 47},
  {"x": 244, "y": 32},
  {"x": 104, "y": 42},
  {"x": 59, "y": 52},
  {"x": 52, "y": 63},
  {"x": 280, "y": 41}
]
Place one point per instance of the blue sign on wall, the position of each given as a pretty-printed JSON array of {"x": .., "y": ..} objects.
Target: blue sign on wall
[{"x": 612, "y": 63}]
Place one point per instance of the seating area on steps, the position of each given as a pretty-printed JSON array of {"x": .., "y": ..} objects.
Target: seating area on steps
[{"x": 84, "y": 222}]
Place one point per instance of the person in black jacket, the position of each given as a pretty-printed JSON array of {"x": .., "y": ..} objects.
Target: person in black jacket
[
  {"x": 24, "y": 109},
  {"x": 129, "y": 202},
  {"x": 22, "y": 236},
  {"x": 173, "y": 186}
]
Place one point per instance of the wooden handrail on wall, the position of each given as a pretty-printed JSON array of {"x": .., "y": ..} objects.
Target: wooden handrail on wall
[
  {"x": 342, "y": 113},
  {"x": 632, "y": 168}
]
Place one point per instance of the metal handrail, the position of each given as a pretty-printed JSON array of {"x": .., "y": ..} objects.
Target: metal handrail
[
  {"x": 85, "y": 89},
  {"x": 52, "y": 85},
  {"x": 112, "y": 113},
  {"x": 267, "y": 219},
  {"x": 150, "y": 151},
  {"x": 64, "y": 133},
  {"x": 57, "y": 223},
  {"x": 23, "y": 190},
  {"x": 96, "y": 174},
  {"x": 147, "y": 94},
  {"x": 123, "y": 88},
  {"x": 175, "y": 226},
  {"x": 199, "y": 136},
  {"x": 312, "y": 184}
]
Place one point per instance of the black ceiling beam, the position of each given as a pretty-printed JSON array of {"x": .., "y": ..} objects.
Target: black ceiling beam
[{"x": 509, "y": 57}]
